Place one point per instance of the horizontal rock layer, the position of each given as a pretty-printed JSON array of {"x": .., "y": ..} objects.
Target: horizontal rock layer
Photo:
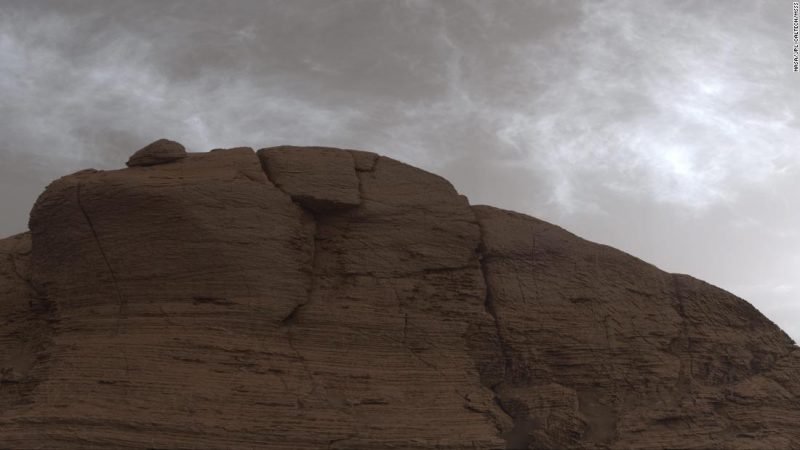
[{"x": 325, "y": 298}]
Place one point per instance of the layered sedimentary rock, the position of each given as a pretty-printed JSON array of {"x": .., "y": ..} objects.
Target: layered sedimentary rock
[
  {"x": 603, "y": 350},
  {"x": 159, "y": 152},
  {"x": 308, "y": 297}
]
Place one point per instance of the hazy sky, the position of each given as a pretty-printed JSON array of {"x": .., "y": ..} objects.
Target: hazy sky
[{"x": 667, "y": 129}]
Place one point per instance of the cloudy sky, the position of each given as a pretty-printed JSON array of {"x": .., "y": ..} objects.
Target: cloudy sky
[{"x": 668, "y": 129}]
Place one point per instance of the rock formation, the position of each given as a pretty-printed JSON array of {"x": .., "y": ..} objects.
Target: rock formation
[
  {"x": 322, "y": 298},
  {"x": 159, "y": 152}
]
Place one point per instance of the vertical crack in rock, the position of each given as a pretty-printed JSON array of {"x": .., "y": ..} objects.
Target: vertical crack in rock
[
  {"x": 405, "y": 327},
  {"x": 361, "y": 170},
  {"x": 294, "y": 314},
  {"x": 43, "y": 305},
  {"x": 360, "y": 181},
  {"x": 36, "y": 293},
  {"x": 291, "y": 319},
  {"x": 490, "y": 308},
  {"x": 404, "y": 342},
  {"x": 35, "y": 337},
  {"x": 684, "y": 378},
  {"x": 122, "y": 306},
  {"x": 517, "y": 436}
]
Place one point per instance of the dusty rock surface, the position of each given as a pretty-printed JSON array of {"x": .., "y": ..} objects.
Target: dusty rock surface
[
  {"x": 324, "y": 298},
  {"x": 161, "y": 151},
  {"x": 318, "y": 178}
]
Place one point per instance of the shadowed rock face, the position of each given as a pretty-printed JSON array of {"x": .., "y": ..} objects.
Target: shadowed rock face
[{"x": 323, "y": 298}]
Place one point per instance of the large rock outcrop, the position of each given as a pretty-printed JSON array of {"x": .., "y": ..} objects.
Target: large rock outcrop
[{"x": 324, "y": 298}]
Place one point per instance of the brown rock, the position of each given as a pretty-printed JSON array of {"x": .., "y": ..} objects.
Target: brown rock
[
  {"x": 364, "y": 161},
  {"x": 199, "y": 305},
  {"x": 161, "y": 151},
  {"x": 602, "y": 349},
  {"x": 319, "y": 178}
]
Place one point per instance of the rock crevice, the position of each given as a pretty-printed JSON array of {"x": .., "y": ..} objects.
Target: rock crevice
[
  {"x": 121, "y": 305},
  {"x": 311, "y": 297},
  {"x": 510, "y": 435}
]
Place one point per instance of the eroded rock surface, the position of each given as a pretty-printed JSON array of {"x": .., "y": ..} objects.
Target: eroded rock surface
[
  {"x": 318, "y": 178},
  {"x": 325, "y": 298},
  {"x": 601, "y": 349},
  {"x": 161, "y": 151}
]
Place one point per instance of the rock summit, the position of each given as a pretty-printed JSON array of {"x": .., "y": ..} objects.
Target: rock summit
[{"x": 311, "y": 297}]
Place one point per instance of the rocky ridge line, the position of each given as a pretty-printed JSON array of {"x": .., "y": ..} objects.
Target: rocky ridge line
[{"x": 310, "y": 297}]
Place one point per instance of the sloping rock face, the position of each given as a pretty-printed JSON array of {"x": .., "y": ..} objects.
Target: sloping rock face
[{"x": 324, "y": 298}]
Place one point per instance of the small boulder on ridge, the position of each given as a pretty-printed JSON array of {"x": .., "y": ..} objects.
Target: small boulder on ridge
[{"x": 161, "y": 151}]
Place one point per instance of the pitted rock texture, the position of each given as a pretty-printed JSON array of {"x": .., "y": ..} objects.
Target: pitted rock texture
[{"x": 324, "y": 298}]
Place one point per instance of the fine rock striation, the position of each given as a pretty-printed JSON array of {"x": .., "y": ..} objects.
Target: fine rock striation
[{"x": 310, "y": 297}]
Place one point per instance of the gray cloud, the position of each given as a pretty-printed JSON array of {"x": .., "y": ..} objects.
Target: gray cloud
[{"x": 666, "y": 129}]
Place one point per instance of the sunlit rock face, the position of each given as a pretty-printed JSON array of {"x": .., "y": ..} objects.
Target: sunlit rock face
[{"x": 310, "y": 297}]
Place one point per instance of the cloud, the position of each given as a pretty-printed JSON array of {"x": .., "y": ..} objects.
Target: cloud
[{"x": 674, "y": 102}]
